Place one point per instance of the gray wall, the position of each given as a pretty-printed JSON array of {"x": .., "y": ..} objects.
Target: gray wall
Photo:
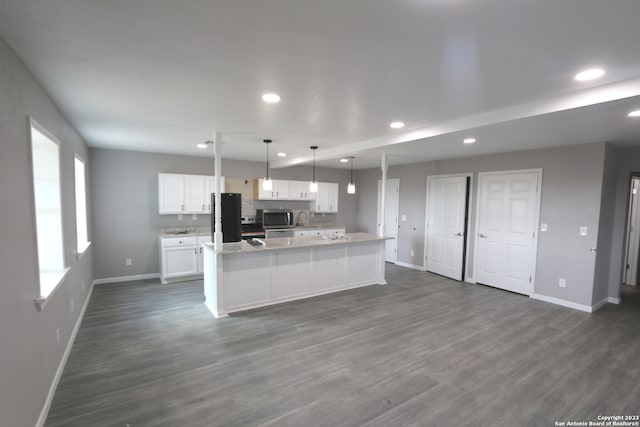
[
  {"x": 124, "y": 189},
  {"x": 605, "y": 228},
  {"x": 29, "y": 354},
  {"x": 570, "y": 198}
]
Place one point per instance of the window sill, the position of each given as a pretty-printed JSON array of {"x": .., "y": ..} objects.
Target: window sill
[
  {"x": 56, "y": 278},
  {"x": 79, "y": 254}
]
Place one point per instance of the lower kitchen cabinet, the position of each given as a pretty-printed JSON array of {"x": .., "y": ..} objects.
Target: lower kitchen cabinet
[{"x": 181, "y": 257}]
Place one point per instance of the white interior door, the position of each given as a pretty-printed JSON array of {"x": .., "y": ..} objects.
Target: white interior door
[
  {"x": 633, "y": 236},
  {"x": 391, "y": 209},
  {"x": 446, "y": 211},
  {"x": 506, "y": 223}
]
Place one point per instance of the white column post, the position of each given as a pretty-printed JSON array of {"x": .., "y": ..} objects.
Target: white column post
[
  {"x": 383, "y": 195},
  {"x": 217, "y": 152}
]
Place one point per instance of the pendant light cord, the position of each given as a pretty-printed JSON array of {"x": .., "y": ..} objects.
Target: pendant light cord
[{"x": 351, "y": 181}]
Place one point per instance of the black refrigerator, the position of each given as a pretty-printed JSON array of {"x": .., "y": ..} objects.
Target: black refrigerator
[{"x": 231, "y": 206}]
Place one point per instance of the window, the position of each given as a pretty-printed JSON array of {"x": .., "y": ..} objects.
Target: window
[
  {"x": 82, "y": 237},
  {"x": 45, "y": 157}
]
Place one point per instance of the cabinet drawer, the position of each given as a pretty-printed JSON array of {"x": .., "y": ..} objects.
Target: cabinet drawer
[{"x": 167, "y": 242}]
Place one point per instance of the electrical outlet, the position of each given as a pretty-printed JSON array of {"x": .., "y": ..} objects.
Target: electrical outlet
[
  {"x": 543, "y": 226},
  {"x": 403, "y": 218},
  {"x": 413, "y": 252},
  {"x": 194, "y": 217},
  {"x": 128, "y": 261},
  {"x": 72, "y": 305},
  {"x": 58, "y": 336},
  {"x": 583, "y": 231},
  {"x": 562, "y": 283}
]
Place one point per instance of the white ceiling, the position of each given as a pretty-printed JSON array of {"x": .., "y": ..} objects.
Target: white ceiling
[{"x": 162, "y": 75}]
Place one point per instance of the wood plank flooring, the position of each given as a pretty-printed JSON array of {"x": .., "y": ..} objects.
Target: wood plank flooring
[{"x": 420, "y": 351}]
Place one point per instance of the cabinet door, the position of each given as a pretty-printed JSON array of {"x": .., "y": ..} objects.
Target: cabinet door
[
  {"x": 195, "y": 193},
  {"x": 201, "y": 240},
  {"x": 266, "y": 194},
  {"x": 322, "y": 200},
  {"x": 209, "y": 188},
  {"x": 171, "y": 189},
  {"x": 281, "y": 188},
  {"x": 333, "y": 194},
  {"x": 179, "y": 261},
  {"x": 299, "y": 190}
]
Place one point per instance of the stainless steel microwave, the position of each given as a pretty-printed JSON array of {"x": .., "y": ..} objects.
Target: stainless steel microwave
[{"x": 272, "y": 218}]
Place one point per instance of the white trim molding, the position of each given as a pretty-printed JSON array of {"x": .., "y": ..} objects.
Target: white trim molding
[
  {"x": 126, "y": 278},
  {"x": 406, "y": 264},
  {"x": 569, "y": 304},
  {"x": 613, "y": 300},
  {"x": 56, "y": 379}
]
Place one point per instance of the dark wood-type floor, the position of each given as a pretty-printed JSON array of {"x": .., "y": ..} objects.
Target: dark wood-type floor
[{"x": 421, "y": 351}]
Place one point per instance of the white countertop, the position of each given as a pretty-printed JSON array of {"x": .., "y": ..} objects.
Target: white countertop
[{"x": 293, "y": 242}]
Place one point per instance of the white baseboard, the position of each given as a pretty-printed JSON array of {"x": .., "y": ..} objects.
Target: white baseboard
[
  {"x": 126, "y": 278},
  {"x": 613, "y": 300},
  {"x": 415, "y": 267},
  {"x": 470, "y": 279},
  {"x": 599, "y": 304},
  {"x": 56, "y": 379},
  {"x": 569, "y": 304}
]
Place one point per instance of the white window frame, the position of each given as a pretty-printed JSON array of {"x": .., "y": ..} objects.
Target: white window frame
[
  {"x": 48, "y": 281},
  {"x": 80, "y": 192}
]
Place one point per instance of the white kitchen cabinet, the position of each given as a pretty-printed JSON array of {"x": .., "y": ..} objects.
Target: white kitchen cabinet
[
  {"x": 188, "y": 194},
  {"x": 181, "y": 257},
  {"x": 279, "y": 190},
  {"x": 178, "y": 257},
  {"x": 326, "y": 198},
  {"x": 201, "y": 240},
  {"x": 210, "y": 187},
  {"x": 299, "y": 190},
  {"x": 195, "y": 192},
  {"x": 171, "y": 193}
]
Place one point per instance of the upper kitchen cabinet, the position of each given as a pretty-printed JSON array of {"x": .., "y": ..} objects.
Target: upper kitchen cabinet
[
  {"x": 242, "y": 186},
  {"x": 190, "y": 194},
  {"x": 279, "y": 190},
  {"x": 299, "y": 190},
  {"x": 326, "y": 198}
]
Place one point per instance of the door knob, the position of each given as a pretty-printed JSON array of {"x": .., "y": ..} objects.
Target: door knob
[
  {"x": 482, "y": 235},
  {"x": 593, "y": 249},
  {"x": 458, "y": 234}
]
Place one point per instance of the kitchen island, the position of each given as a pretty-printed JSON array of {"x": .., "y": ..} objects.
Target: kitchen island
[{"x": 242, "y": 276}]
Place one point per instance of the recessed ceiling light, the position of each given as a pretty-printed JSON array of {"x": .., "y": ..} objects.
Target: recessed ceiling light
[
  {"x": 203, "y": 146},
  {"x": 271, "y": 97},
  {"x": 282, "y": 154},
  {"x": 344, "y": 160},
  {"x": 469, "y": 140},
  {"x": 590, "y": 74},
  {"x": 634, "y": 113},
  {"x": 396, "y": 125}
]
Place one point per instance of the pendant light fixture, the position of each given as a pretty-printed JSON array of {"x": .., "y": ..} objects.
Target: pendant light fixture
[
  {"x": 313, "y": 185},
  {"x": 267, "y": 184},
  {"x": 351, "y": 187}
]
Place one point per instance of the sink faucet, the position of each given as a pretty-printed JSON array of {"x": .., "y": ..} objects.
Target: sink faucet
[{"x": 306, "y": 218}]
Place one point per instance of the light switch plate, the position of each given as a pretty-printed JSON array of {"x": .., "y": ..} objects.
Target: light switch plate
[
  {"x": 543, "y": 226},
  {"x": 583, "y": 231},
  {"x": 404, "y": 217}
]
